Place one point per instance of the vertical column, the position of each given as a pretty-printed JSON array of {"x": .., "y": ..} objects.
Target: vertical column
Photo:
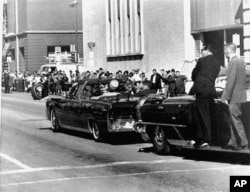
[
  {"x": 127, "y": 26},
  {"x": 122, "y": 26},
  {"x": 116, "y": 27},
  {"x": 246, "y": 30},
  {"x": 141, "y": 27},
  {"x": 136, "y": 29},
  {"x": 112, "y": 27},
  {"x": 17, "y": 40},
  {"x": 189, "y": 42},
  {"x": 132, "y": 25},
  {"x": 108, "y": 27}
]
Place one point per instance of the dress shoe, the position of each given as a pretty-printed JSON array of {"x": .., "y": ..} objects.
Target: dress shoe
[
  {"x": 244, "y": 147},
  {"x": 201, "y": 145},
  {"x": 229, "y": 147}
]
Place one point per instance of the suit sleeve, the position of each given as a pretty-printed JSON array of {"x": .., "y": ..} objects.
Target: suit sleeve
[
  {"x": 196, "y": 70},
  {"x": 231, "y": 79}
]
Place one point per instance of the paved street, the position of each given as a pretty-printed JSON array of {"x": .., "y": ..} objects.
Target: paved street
[{"x": 33, "y": 158}]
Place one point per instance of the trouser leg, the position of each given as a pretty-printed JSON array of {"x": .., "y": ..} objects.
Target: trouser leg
[
  {"x": 236, "y": 112},
  {"x": 203, "y": 119}
]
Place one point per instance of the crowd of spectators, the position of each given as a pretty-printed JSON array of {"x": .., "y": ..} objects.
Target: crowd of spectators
[{"x": 169, "y": 82}]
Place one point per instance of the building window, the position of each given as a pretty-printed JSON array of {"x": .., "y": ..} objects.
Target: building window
[
  {"x": 236, "y": 36},
  {"x": 51, "y": 49},
  {"x": 12, "y": 53},
  {"x": 22, "y": 51},
  {"x": 124, "y": 26}
]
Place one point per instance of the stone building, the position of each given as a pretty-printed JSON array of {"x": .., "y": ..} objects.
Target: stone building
[
  {"x": 161, "y": 34},
  {"x": 35, "y": 28}
]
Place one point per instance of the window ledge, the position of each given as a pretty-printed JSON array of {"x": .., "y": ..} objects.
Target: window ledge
[{"x": 127, "y": 57}]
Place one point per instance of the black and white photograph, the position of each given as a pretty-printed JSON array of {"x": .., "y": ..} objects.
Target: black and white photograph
[{"x": 125, "y": 96}]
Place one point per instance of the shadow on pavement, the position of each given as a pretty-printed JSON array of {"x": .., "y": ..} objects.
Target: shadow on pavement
[
  {"x": 111, "y": 138},
  {"x": 231, "y": 157}
]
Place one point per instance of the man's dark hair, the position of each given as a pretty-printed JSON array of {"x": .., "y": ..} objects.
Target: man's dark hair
[{"x": 208, "y": 47}]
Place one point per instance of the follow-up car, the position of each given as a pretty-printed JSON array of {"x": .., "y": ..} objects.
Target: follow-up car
[{"x": 169, "y": 122}]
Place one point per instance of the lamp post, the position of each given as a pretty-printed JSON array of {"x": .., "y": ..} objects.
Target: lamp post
[{"x": 74, "y": 4}]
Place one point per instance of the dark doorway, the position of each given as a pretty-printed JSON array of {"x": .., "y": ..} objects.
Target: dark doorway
[{"x": 216, "y": 39}]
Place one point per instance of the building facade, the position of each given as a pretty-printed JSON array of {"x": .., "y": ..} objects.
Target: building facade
[
  {"x": 161, "y": 34},
  {"x": 131, "y": 34},
  {"x": 36, "y": 29},
  {"x": 219, "y": 22}
]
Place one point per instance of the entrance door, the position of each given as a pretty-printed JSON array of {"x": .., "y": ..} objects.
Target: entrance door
[{"x": 216, "y": 39}]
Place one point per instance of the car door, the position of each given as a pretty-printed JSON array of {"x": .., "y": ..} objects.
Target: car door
[
  {"x": 78, "y": 110},
  {"x": 61, "y": 110}
]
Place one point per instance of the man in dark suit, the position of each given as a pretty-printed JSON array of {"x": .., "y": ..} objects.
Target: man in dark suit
[
  {"x": 204, "y": 75},
  {"x": 155, "y": 80},
  {"x": 7, "y": 81},
  {"x": 234, "y": 95}
]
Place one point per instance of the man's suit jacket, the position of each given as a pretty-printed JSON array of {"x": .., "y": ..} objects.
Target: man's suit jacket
[
  {"x": 204, "y": 75},
  {"x": 157, "y": 84},
  {"x": 235, "y": 90}
]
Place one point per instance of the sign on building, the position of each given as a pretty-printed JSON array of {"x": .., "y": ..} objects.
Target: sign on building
[{"x": 58, "y": 49}]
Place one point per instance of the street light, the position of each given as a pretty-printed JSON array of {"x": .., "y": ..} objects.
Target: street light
[{"x": 74, "y": 4}]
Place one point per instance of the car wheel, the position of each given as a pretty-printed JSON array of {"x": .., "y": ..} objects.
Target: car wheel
[
  {"x": 54, "y": 122},
  {"x": 160, "y": 142},
  {"x": 97, "y": 135},
  {"x": 37, "y": 91}
]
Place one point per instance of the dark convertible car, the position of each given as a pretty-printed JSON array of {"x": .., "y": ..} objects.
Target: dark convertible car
[
  {"x": 96, "y": 106},
  {"x": 168, "y": 122}
]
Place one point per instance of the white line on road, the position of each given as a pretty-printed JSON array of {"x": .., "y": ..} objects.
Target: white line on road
[
  {"x": 116, "y": 176},
  {"x": 89, "y": 166},
  {"x": 18, "y": 163}
]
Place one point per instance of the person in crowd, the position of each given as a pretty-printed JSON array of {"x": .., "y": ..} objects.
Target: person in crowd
[
  {"x": 143, "y": 77},
  {"x": 164, "y": 82},
  {"x": 171, "y": 83},
  {"x": 94, "y": 75},
  {"x": 235, "y": 95},
  {"x": 129, "y": 87},
  {"x": 71, "y": 77},
  {"x": 136, "y": 77},
  {"x": 155, "y": 80},
  {"x": 44, "y": 81},
  {"x": 180, "y": 83},
  {"x": 29, "y": 82},
  {"x": 12, "y": 80},
  {"x": 65, "y": 84},
  {"x": 51, "y": 84},
  {"x": 77, "y": 76},
  {"x": 6, "y": 81},
  {"x": 125, "y": 74},
  {"x": 59, "y": 83},
  {"x": 86, "y": 75},
  {"x": 146, "y": 89},
  {"x": 101, "y": 71},
  {"x": 204, "y": 75},
  {"x": 119, "y": 74},
  {"x": 130, "y": 76},
  {"x": 102, "y": 76}
]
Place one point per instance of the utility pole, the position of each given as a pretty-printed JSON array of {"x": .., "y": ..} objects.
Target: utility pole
[{"x": 74, "y": 4}]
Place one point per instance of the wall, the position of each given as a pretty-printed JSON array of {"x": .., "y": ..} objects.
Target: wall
[
  {"x": 11, "y": 16},
  {"x": 94, "y": 30},
  {"x": 22, "y": 15},
  {"x": 37, "y": 47},
  {"x": 215, "y": 14},
  {"x": 53, "y": 15},
  {"x": 163, "y": 28}
]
